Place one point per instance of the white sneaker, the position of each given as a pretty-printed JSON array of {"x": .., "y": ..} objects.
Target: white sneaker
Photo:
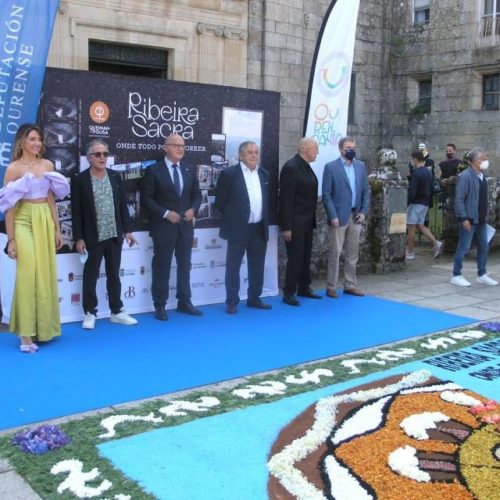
[
  {"x": 409, "y": 256},
  {"x": 122, "y": 318},
  {"x": 486, "y": 280},
  {"x": 89, "y": 321},
  {"x": 437, "y": 249},
  {"x": 459, "y": 280}
]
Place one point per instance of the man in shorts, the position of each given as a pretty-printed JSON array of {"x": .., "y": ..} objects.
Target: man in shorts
[{"x": 419, "y": 199}]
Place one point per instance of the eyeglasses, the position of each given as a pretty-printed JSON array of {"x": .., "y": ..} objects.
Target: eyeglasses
[
  {"x": 177, "y": 146},
  {"x": 100, "y": 154}
]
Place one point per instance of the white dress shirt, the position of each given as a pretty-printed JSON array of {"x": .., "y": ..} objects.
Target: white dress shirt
[
  {"x": 171, "y": 171},
  {"x": 252, "y": 181},
  {"x": 169, "y": 164}
]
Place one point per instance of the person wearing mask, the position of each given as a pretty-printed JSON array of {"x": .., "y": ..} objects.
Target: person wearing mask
[
  {"x": 471, "y": 209},
  {"x": 242, "y": 199},
  {"x": 346, "y": 198},
  {"x": 298, "y": 195},
  {"x": 419, "y": 198},
  {"x": 100, "y": 224},
  {"x": 33, "y": 231},
  {"x": 448, "y": 168}
]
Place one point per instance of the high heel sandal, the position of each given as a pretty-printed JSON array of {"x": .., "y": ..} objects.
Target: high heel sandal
[{"x": 28, "y": 348}]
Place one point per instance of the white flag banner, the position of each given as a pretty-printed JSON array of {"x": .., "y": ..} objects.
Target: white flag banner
[{"x": 329, "y": 85}]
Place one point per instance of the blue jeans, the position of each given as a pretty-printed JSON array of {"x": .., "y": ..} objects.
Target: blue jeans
[{"x": 463, "y": 247}]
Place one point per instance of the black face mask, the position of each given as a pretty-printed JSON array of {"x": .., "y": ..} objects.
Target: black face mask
[
  {"x": 449, "y": 155},
  {"x": 350, "y": 154}
]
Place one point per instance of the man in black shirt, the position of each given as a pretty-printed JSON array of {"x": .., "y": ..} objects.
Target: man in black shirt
[{"x": 419, "y": 199}]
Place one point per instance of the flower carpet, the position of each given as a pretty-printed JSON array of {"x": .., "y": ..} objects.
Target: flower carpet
[{"x": 416, "y": 418}]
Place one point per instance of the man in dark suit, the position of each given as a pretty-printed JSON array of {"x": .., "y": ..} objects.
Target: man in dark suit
[
  {"x": 242, "y": 198},
  {"x": 346, "y": 198},
  {"x": 171, "y": 195},
  {"x": 298, "y": 196},
  {"x": 100, "y": 223}
]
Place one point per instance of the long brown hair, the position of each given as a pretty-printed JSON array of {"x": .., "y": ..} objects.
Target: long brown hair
[{"x": 21, "y": 136}]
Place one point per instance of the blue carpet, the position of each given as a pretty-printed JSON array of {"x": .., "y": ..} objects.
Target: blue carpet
[
  {"x": 227, "y": 453},
  {"x": 114, "y": 364}
]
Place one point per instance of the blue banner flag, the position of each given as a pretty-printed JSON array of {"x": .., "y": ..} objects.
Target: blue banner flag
[{"x": 25, "y": 33}]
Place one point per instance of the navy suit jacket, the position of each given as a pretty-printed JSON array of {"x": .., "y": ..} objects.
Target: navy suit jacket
[
  {"x": 337, "y": 194},
  {"x": 84, "y": 217},
  {"x": 231, "y": 199},
  {"x": 159, "y": 195}
]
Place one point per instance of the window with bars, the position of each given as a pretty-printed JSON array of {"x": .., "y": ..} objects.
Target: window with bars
[
  {"x": 424, "y": 96},
  {"x": 127, "y": 59},
  {"x": 491, "y": 92},
  {"x": 490, "y": 18},
  {"x": 421, "y": 12}
]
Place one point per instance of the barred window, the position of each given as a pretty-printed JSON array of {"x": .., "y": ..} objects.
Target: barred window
[{"x": 491, "y": 92}]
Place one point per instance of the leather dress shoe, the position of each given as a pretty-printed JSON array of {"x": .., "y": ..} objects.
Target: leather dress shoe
[
  {"x": 291, "y": 300},
  {"x": 354, "y": 291},
  {"x": 258, "y": 304},
  {"x": 330, "y": 292},
  {"x": 161, "y": 314},
  {"x": 231, "y": 308},
  {"x": 309, "y": 293},
  {"x": 188, "y": 308}
]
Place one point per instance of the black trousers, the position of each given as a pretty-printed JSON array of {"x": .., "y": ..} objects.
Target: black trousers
[
  {"x": 111, "y": 250},
  {"x": 298, "y": 272},
  {"x": 164, "y": 246},
  {"x": 250, "y": 240}
]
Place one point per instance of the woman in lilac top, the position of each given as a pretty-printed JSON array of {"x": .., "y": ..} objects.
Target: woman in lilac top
[{"x": 34, "y": 234}]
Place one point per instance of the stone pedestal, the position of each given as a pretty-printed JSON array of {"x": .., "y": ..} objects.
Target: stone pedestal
[{"x": 384, "y": 239}]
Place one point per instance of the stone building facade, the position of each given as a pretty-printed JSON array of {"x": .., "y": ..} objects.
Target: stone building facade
[
  {"x": 423, "y": 71},
  {"x": 399, "y": 61}
]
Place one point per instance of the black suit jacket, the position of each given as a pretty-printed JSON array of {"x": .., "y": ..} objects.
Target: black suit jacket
[
  {"x": 298, "y": 196},
  {"x": 83, "y": 207},
  {"x": 231, "y": 199},
  {"x": 159, "y": 195}
]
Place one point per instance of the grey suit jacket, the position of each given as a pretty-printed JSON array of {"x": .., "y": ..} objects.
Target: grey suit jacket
[{"x": 337, "y": 194}]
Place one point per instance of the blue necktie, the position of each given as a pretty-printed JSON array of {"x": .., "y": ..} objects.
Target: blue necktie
[{"x": 177, "y": 180}]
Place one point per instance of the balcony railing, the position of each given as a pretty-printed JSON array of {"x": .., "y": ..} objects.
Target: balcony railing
[{"x": 488, "y": 34}]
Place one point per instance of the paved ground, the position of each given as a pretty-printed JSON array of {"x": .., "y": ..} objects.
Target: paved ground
[{"x": 425, "y": 282}]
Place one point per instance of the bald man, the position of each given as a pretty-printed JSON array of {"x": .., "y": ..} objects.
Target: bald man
[
  {"x": 171, "y": 195},
  {"x": 298, "y": 196}
]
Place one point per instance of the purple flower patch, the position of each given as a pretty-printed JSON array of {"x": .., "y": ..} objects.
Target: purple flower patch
[
  {"x": 41, "y": 439},
  {"x": 491, "y": 326}
]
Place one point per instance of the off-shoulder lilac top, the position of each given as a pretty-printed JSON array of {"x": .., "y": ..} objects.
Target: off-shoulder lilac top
[{"x": 30, "y": 187}]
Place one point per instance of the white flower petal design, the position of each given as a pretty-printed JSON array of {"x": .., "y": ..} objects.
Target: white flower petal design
[
  {"x": 436, "y": 343},
  {"x": 459, "y": 398},
  {"x": 77, "y": 479},
  {"x": 109, "y": 423},
  {"x": 344, "y": 486},
  {"x": 404, "y": 462},
  {"x": 309, "y": 377},
  {"x": 433, "y": 388},
  {"x": 268, "y": 388},
  {"x": 180, "y": 408},
  {"x": 281, "y": 465},
  {"x": 416, "y": 425},
  {"x": 367, "y": 418},
  {"x": 351, "y": 364},
  {"x": 469, "y": 334}
]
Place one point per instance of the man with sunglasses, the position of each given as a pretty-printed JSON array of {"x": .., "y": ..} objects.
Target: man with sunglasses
[
  {"x": 100, "y": 224},
  {"x": 171, "y": 195}
]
